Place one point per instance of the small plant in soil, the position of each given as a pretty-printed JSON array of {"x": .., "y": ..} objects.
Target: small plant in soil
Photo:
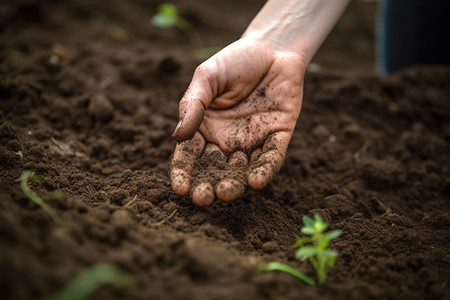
[
  {"x": 314, "y": 248},
  {"x": 91, "y": 279},
  {"x": 11, "y": 52},
  {"x": 168, "y": 17},
  {"x": 24, "y": 177}
]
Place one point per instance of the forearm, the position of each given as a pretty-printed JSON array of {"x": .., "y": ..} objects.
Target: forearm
[{"x": 298, "y": 26}]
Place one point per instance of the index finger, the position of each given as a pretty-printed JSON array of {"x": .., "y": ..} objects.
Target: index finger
[
  {"x": 184, "y": 157},
  {"x": 195, "y": 101}
]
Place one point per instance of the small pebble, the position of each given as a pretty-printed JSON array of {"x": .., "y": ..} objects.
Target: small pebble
[
  {"x": 100, "y": 108},
  {"x": 118, "y": 196},
  {"x": 122, "y": 221},
  {"x": 270, "y": 247},
  {"x": 320, "y": 131}
]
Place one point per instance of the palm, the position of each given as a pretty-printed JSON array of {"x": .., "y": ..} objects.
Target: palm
[
  {"x": 252, "y": 103},
  {"x": 247, "y": 122}
]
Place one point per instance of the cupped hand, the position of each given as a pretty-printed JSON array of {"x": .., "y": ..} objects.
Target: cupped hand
[{"x": 236, "y": 120}]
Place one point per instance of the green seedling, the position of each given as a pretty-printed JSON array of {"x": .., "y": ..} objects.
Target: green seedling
[
  {"x": 313, "y": 248},
  {"x": 27, "y": 174},
  {"x": 276, "y": 266},
  {"x": 11, "y": 52},
  {"x": 168, "y": 17},
  {"x": 92, "y": 278}
]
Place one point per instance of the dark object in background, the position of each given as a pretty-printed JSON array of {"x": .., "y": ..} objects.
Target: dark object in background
[{"x": 413, "y": 32}]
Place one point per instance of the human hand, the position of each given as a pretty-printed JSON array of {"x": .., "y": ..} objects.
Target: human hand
[{"x": 236, "y": 120}]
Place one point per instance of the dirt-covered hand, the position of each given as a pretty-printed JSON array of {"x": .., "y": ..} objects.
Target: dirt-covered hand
[{"x": 236, "y": 120}]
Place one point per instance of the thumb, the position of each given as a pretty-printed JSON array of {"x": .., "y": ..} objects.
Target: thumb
[{"x": 195, "y": 101}]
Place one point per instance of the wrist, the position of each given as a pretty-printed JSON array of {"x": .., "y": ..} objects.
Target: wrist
[
  {"x": 275, "y": 51},
  {"x": 277, "y": 46},
  {"x": 298, "y": 26}
]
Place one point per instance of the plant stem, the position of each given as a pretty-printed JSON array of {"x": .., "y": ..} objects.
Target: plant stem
[
  {"x": 319, "y": 264},
  {"x": 314, "y": 264},
  {"x": 191, "y": 33},
  {"x": 35, "y": 198},
  {"x": 322, "y": 274}
]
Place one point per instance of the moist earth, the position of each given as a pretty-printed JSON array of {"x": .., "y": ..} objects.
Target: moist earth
[{"x": 89, "y": 96}]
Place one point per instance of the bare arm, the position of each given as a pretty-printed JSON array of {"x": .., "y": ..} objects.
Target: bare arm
[{"x": 296, "y": 26}]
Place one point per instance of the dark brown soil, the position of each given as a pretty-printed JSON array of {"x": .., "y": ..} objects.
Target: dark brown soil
[{"x": 90, "y": 103}]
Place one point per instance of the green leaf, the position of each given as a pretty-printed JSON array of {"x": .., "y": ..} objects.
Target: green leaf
[
  {"x": 89, "y": 280},
  {"x": 166, "y": 17},
  {"x": 308, "y": 221},
  {"x": 162, "y": 21},
  {"x": 333, "y": 234},
  {"x": 332, "y": 261},
  {"x": 323, "y": 244},
  {"x": 318, "y": 218},
  {"x": 11, "y": 52},
  {"x": 319, "y": 224},
  {"x": 301, "y": 241},
  {"x": 276, "y": 266},
  {"x": 31, "y": 175},
  {"x": 307, "y": 230},
  {"x": 27, "y": 174},
  {"x": 168, "y": 9},
  {"x": 329, "y": 253},
  {"x": 305, "y": 252}
]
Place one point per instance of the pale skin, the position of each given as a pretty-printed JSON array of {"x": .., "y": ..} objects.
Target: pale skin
[{"x": 245, "y": 100}]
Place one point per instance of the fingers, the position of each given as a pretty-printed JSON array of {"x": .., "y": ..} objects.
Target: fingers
[
  {"x": 213, "y": 147},
  {"x": 264, "y": 164},
  {"x": 203, "y": 194},
  {"x": 185, "y": 155},
  {"x": 192, "y": 106},
  {"x": 202, "y": 191},
  {"x": 238, "y": 159},
  {"x": 268, "y": 162},
  {"x": 229, "y": 189},
  {"x": 255, "y": 154},
  {"x": 221, "y": 179}
]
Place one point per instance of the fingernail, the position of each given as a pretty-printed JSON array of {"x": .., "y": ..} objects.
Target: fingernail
[{"x": 177, "y": 129}]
